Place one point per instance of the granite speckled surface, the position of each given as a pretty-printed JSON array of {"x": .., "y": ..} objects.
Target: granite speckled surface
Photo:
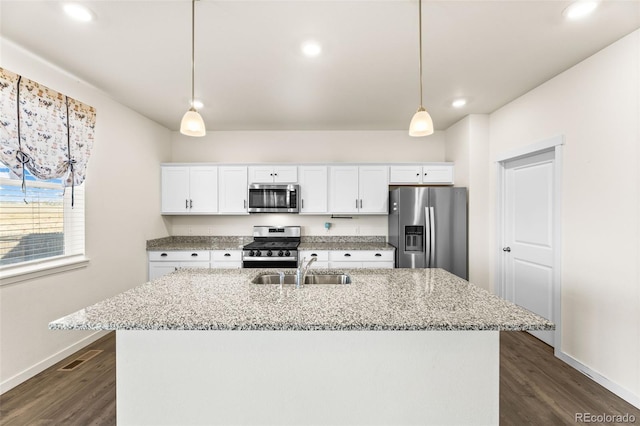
[
  {"x": 236, "y": 243},
  {"x": 344, "y": 243},
  {"x": 377, "y": 299},
  {"x": 197, "y": 243}
]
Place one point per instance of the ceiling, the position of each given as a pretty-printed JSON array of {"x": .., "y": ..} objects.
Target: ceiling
[{"x": 251, "y": 75}]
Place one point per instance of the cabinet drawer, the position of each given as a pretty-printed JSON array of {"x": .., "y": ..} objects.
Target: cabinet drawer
[
  {"x": 320, "y": 255},
  {"x": 361, "y": 255},
  {"x": 173, "y": 256},
  {"x": 226, "y": 255}
]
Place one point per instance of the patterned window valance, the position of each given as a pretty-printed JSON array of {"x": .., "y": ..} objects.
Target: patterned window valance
[{"x": 44, "y": 131}]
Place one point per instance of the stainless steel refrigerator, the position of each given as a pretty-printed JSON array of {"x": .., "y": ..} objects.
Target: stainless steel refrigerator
[{"x": 428, "y": 227}]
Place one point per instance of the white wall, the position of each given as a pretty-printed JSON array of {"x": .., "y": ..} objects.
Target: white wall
[
  {"x": 298, "y": 147},
  {"x": 467, "y": 145},
  {"x": 596, "y": 106},
  {"x": 122, "y": 204}
]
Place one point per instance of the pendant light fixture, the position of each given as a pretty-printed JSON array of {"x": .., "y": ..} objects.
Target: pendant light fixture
[
  {"x": 192, "y": 123},
  {"x": 421, "y": 123}
]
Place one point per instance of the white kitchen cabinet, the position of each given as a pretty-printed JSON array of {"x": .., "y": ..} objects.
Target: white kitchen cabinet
[
  {"x": 441, "y": 174},
  {"x": 321, "y": 256},
  {"x": 226, "y": 259},
  {"x": 361, "y": 259},
  {"x": 273, "y": 174},
  {"x": 313, "y": 189},
  {"x": 189, "y": 189},
  {"x": 232, "y": 189},
  {"x": 374, "y": 189},
  {"x": 164, "y": 262},
  {"x": 358, "y": 189}
]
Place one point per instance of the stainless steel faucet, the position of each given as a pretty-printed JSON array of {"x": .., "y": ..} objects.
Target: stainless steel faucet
[{"x": 301, "y": 272}]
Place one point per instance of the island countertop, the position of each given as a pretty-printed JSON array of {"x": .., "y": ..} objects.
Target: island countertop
[{"x": 377, "y": 299}]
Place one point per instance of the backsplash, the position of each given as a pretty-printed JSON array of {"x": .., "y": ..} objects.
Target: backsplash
[{"x": 374, "y": 226}]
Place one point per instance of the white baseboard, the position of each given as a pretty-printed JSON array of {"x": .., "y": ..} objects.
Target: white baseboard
[
  {"x": 623, "y": 393},
  {"x": 25, "y": 375}
]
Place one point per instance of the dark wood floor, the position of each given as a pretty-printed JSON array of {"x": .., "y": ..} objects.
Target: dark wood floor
[{"x": 535, "y": 389}]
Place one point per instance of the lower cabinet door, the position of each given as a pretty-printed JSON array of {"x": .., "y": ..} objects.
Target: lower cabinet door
[{"x": 158, "y": 269}]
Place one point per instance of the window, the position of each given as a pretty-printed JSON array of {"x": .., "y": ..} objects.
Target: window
[{"x": 40, "y": 225}]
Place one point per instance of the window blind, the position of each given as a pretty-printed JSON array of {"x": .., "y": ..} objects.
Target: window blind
[{"x": 39, "y": 224}]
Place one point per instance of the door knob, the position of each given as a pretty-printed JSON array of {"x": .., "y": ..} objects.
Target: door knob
[{"x": 507, "y": 249}]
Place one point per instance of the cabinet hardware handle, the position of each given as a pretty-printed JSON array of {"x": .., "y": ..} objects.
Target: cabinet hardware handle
[
  {"x": 227, "y": 254},
  {"x": 507, "y": 249},
  {"x": 360, "y": 202},
  {"x": 356, "y": 203},
  {"x": 347, "y": 255},
  {"x": 302, "y": 201},
  {"x": 425, "y": 174},
  {"x": 314, "y": 255},
  {"x": 164, "y": 255},
  {"x": 378, "y": 255},
  {"x": 244, "y": 203},
  {"x": 176, "y": 268},
  {"x": 270, "y": 174},
  {"x": 186, "y": 204},
  {"x": 190, "y": 204},
  {"x": 417, "y": 174},
  {"x": 194, "y": 254}
]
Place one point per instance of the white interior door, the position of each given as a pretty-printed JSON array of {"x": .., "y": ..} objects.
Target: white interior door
[{"x": 528, "y": 235}]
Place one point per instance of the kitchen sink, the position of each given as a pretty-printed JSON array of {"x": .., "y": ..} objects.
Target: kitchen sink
[{"x": 309, "y": 279}]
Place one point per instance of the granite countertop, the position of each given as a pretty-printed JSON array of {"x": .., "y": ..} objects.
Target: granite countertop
[
  {"x": 197, "y": 243},
  {"x": 237, "y": 242},
  {"x": 377, "y": 299},
  {"x": 345, "y": 245}
]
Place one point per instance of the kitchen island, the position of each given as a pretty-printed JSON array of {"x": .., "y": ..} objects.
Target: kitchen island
[{"x": 399, "y": 346}]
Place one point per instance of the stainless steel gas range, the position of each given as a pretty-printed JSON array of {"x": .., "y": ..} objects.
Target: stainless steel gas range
[{"x": 272, "y": 247}]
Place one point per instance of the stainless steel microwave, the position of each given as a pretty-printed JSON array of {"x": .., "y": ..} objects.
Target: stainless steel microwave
[{"x": 274, "y": 198}]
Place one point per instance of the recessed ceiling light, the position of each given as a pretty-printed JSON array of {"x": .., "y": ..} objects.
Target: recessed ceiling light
[
  {"x": 311, "y": 48},
  {"x": 197, "y": 104},
  {"x": 580, "y": 9},
  {"x": 459, "y": 103},
  {"x": 78, "y": 12}
]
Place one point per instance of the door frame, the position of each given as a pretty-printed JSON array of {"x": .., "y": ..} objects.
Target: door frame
[{"x": 554, "y": 144}]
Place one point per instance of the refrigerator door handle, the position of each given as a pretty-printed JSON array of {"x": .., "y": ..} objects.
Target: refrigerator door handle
[
  {"x": 427, "y": 238},
  {"x": 432, "y": 235}
]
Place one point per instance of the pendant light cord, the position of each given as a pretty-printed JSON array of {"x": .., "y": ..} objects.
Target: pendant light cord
[
  {"x": 193, "y": 50},
  {"x": 420, "y": 46}
]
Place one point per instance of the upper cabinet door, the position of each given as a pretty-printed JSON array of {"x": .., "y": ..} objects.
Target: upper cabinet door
[
  {"x": 203, "y": 184},
  {"x": 260, "y": 174},
  {"x": 232, "y": 189},
  {"x": 285, "y": 174},
  {"x": 374, "y": 189},
  {"x": 175, "y": 190},
  {"x": 343, "y": 189},
  {"x": 405, "y": 174},
  {"x": 442, "y": 174},
  {"x": 273, "y": 174},
  {"x": 313, "y": 189}
]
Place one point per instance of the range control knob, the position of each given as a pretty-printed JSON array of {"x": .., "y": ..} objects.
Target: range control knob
[
  {"x": 251, "y": 253},
  {"x": 280, "y": 253},
  {"x": 269, "y": 253},
  {"x": 287, "y": 253},
  {"x": 258, "y": 253}
]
